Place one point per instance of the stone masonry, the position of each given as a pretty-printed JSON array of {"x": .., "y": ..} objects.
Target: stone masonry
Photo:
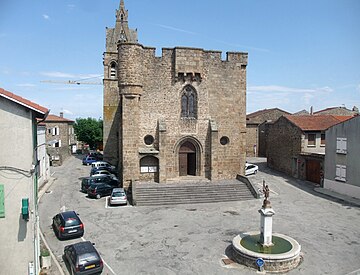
[{"x": 181, "y": 114}]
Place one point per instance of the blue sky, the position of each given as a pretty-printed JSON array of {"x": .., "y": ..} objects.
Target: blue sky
[{"x": 301, "y": 53}]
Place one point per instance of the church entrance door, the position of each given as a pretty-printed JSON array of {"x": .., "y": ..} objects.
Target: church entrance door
[{"x": 187, "y": 159}]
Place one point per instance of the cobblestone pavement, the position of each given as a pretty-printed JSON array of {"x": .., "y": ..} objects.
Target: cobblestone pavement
[{"x": 194, "y": 239}]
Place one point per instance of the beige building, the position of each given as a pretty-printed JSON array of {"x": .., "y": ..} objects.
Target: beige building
[
  {"x": 181, "y": 114},
  {"x": 19, "y": 178},
  {"x": 297, "y": 145}
]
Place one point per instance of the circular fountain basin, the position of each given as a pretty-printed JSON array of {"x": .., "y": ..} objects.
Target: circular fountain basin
[{"x": 283, "y": 256}]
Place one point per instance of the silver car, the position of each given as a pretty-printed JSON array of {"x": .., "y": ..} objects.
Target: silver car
[{"x": 118, "y": 196}]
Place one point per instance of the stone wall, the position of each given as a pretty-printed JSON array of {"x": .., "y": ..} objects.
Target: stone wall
[
  {"x": 58, "y": 154},
  {"x": 150, "y": 89},
  {"x": 285, "y": 141},
  {"x": 252, "y": 140}
]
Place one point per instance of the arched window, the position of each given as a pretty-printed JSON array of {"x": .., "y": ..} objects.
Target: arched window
[
  {"x": 189, "y": 102},
  {"x": 113, "y": 70}
]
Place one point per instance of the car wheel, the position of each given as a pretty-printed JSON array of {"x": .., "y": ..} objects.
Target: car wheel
[
  {"x": 255, "y": 172},
  {"x": 98, "y": 196}
]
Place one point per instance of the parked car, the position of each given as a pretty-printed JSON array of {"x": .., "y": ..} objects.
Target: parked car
[
  {"x": 67, "y": 225},
  {"x": 95, "y": 169},
  {"x": 251, "y": 169},
  {"x": 99, "y": 164},
  {"x": 118, "y": 196},
  {"x": 83, "y": 258},
  {"x": 99, "y": 190},
  {"x": 102, "y": 172},
  {"x": 96, "y": 155},
  {"x": 86, "y": 182},
  {"x": 88, "y": 160}
]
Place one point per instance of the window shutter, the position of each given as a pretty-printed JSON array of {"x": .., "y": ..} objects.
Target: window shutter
[{"x": 341, "y": 146}]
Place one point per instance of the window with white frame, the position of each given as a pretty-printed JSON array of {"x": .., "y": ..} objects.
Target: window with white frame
[
  {"x": 57, "y": 144},
  {"x": 340, "y": 173},
  {"x": 341, "y": 145},
  {"x": 55, "y": 131}
]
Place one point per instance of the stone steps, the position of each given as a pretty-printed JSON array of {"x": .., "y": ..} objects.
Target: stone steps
[{"x": 190, "y": 193}]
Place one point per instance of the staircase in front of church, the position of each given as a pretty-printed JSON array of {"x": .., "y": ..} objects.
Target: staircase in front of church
[{"x": 190, "y": 192}]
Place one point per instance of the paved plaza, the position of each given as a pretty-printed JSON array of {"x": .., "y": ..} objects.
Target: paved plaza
[{"x": 196, "y": 238}]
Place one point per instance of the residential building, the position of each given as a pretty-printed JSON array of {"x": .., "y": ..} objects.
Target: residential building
[
  {"x": 19, "y": 183},
  {"x": 181, "y": 114},
  {"x": 338, "y": 111},
  {"x": 256, "y": 139},
  {"x": 43, "y": 157},
  {"x": 60, "y": 129},
  {"x": 342, "y": 158},
  {"x": 297, "y": 145}
]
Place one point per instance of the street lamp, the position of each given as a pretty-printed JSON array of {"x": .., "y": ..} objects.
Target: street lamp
[{"x": 35, "y": 172}]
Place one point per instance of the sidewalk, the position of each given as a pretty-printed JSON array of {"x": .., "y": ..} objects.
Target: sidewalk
[
  {"x": 337, "y": 195},
  {"x": 55, "y": 268}
]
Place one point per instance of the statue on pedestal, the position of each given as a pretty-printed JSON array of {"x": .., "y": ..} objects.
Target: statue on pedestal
[{"x": 266, "y": 191}]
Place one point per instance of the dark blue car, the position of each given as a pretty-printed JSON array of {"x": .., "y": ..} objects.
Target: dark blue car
[{"x": 88, "y": 160}]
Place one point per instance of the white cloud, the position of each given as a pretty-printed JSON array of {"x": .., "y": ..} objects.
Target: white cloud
[
  {"x": 284, "y": 89},
  {"x": 65, "y": 111},
  {"x": 46, "y": 17},
  {"x": 174, "y": 29},
  {"x": 26, "y": 85},
  {"x": 69, "y": 75},
  {"x": 308, "y": 97},
  {"x": 71, "y": 6}
]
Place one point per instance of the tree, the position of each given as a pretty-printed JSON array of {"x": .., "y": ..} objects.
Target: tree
[{"x": 89, "y": 130}]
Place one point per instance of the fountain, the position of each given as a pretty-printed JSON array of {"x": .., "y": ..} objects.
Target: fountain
[{"x": 265, "y": 250}]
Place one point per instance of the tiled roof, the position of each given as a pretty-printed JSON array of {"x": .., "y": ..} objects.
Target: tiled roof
[
  {"x": 54, "y": 118},
  {"x": 24, "y": 102},
  {"x": 260, "y": 112},
  {"x": 316, "y": 123}
]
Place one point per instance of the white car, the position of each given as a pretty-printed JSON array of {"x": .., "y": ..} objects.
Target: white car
[
  {"x": 100, "y": 164},
  {"x": 118, "y": 196},
  {"x": 250, "y": 169},
  {"x": 103, "y": 172}
]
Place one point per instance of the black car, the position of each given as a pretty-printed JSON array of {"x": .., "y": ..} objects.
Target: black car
[
  {"x": 67, "y": 225},
  {"x": 99, "y": 190},
  {"x": 83, "y": 258},
  {"x": 86, "y": 182}
]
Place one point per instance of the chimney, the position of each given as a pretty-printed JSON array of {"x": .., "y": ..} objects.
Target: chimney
[
  {"x": 311, "y": 110},
  {"x": 61, "y": 114}
]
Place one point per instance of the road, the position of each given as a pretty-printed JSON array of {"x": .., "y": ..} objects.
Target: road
[{"x": 194, "y": 239}]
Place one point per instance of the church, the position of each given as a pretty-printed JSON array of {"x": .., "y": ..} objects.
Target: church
[{"x": 174, "y": 116}]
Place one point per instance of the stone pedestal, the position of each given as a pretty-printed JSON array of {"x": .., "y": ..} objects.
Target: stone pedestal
[{"x": 266, "y": 226}]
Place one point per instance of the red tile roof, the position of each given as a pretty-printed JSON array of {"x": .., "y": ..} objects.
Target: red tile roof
[
  {"x": 24, "y": 102},
  {"x": 54, "y": 118},
  {"x": 316, "y": 123}
]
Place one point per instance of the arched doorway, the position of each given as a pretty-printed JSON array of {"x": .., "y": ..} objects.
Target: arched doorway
[{"x": 187, "y": 159}]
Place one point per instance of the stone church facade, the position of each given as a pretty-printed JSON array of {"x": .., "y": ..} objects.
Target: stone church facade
[{"x": 181, "y": 114}]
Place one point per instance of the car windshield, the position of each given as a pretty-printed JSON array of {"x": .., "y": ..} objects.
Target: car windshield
[
  {"x": 118, "y": 194},
  {"x": 71, "y": 222},
  {"x": 88, "y": 257}
]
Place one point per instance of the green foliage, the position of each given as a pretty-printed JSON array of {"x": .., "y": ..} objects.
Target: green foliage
[{"x": 89, "y": 130}]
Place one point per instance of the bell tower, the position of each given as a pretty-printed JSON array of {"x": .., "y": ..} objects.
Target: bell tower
[{"x": 111, "y": 110}]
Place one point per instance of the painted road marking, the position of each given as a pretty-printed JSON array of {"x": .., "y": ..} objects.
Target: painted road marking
[{"x": 105, "y": 263}]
